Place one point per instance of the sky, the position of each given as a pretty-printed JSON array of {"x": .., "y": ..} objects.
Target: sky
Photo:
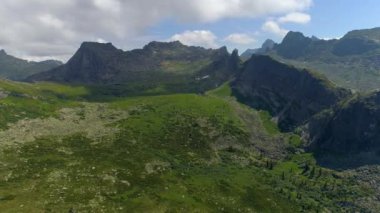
[{"x": 54, "y": 29}]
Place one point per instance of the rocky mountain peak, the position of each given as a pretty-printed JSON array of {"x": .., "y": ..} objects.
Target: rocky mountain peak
[
  {"x": 293, "y": 45},
  {"x": 2, "y": 52},
  {"x": 95, "y": 47},
  {"x": 268, "y": 44}
]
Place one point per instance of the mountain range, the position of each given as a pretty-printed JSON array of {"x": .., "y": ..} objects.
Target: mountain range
[
  {"x": 176, "y": 128},
  {"x": 159, "y": 66},
  {"x": 297, "y": 98},
  {"x": 351, "y": 61}
]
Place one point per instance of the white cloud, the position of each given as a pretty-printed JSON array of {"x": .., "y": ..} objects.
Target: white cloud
[
  {"x": 274, "y": 28},
  {"x": 108, "y": 5},
  {"x": 211, "y": 10},
  {"x": 296, "y": 17},
  {"x": 202, "y": 38},
  {"x": 51, "y": 21},
  {"x": 240, "y": 39},
  {"x": 40, "y": 28},
  {"x": 100, "y": 40},
  {"x": 332, "y": 38}
]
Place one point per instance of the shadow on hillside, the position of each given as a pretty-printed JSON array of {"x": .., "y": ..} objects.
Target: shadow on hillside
[{"x": 345, "y": 161}]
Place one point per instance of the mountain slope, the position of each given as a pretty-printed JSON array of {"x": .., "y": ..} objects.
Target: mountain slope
[
  {"x": 291, "y": 95},
  {"x": 351, "y": 62},
  {"x": 169, "y": 66},
  {"x": 17, "y": 69},
  {"x": 181, "y": 152}
]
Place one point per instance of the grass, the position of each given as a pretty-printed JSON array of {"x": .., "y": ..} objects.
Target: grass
[
  {"x": 222, "y": 91},
  {"x": 270, "y": 126},
  {"x": 183, "y": 67},
  {"x": 295, "y": 140},
  {"x": 33, "y": 101},
  {"x": 168, "y": 153}
]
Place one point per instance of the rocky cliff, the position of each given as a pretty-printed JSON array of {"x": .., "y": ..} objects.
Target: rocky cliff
[
  {"x": 352, "y": 127},
  {"x": 291, "y": 95}
]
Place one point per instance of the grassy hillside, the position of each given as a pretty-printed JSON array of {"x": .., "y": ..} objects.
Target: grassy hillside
[{"x": 168, "y": 153}]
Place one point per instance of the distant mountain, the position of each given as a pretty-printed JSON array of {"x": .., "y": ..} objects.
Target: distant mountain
[
  {"x": 352, "y": 61},
  {"x": 17, "y": 69},
  {"x": 296, "y": 46},
  {"x": 267, "y": 46},
  {"x": 248, "y": 53},
  {"x": 159, "y": 65},
  {"x": 291, "y": 95}
]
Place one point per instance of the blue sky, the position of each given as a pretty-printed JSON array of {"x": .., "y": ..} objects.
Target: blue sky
[
  {"x": 55, "y": 29},
  {"x": 329, "y": 19}
]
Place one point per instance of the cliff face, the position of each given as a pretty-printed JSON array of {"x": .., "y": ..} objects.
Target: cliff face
[
  {"x": 292, "y": 95},
  {"x": 353, "y": 127}
]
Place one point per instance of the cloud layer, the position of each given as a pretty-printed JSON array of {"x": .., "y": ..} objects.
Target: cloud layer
[
  {"x": 202, "y": 38},
  {"x": 39, "y": 28},
  {"x": 240, "y": 39},
  {"x": 274, "y": 28},
  {"x": 296, "y": 17}
]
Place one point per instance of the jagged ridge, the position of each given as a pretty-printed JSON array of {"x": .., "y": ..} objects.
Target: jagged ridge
[{"x": 157, "y": 63}]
